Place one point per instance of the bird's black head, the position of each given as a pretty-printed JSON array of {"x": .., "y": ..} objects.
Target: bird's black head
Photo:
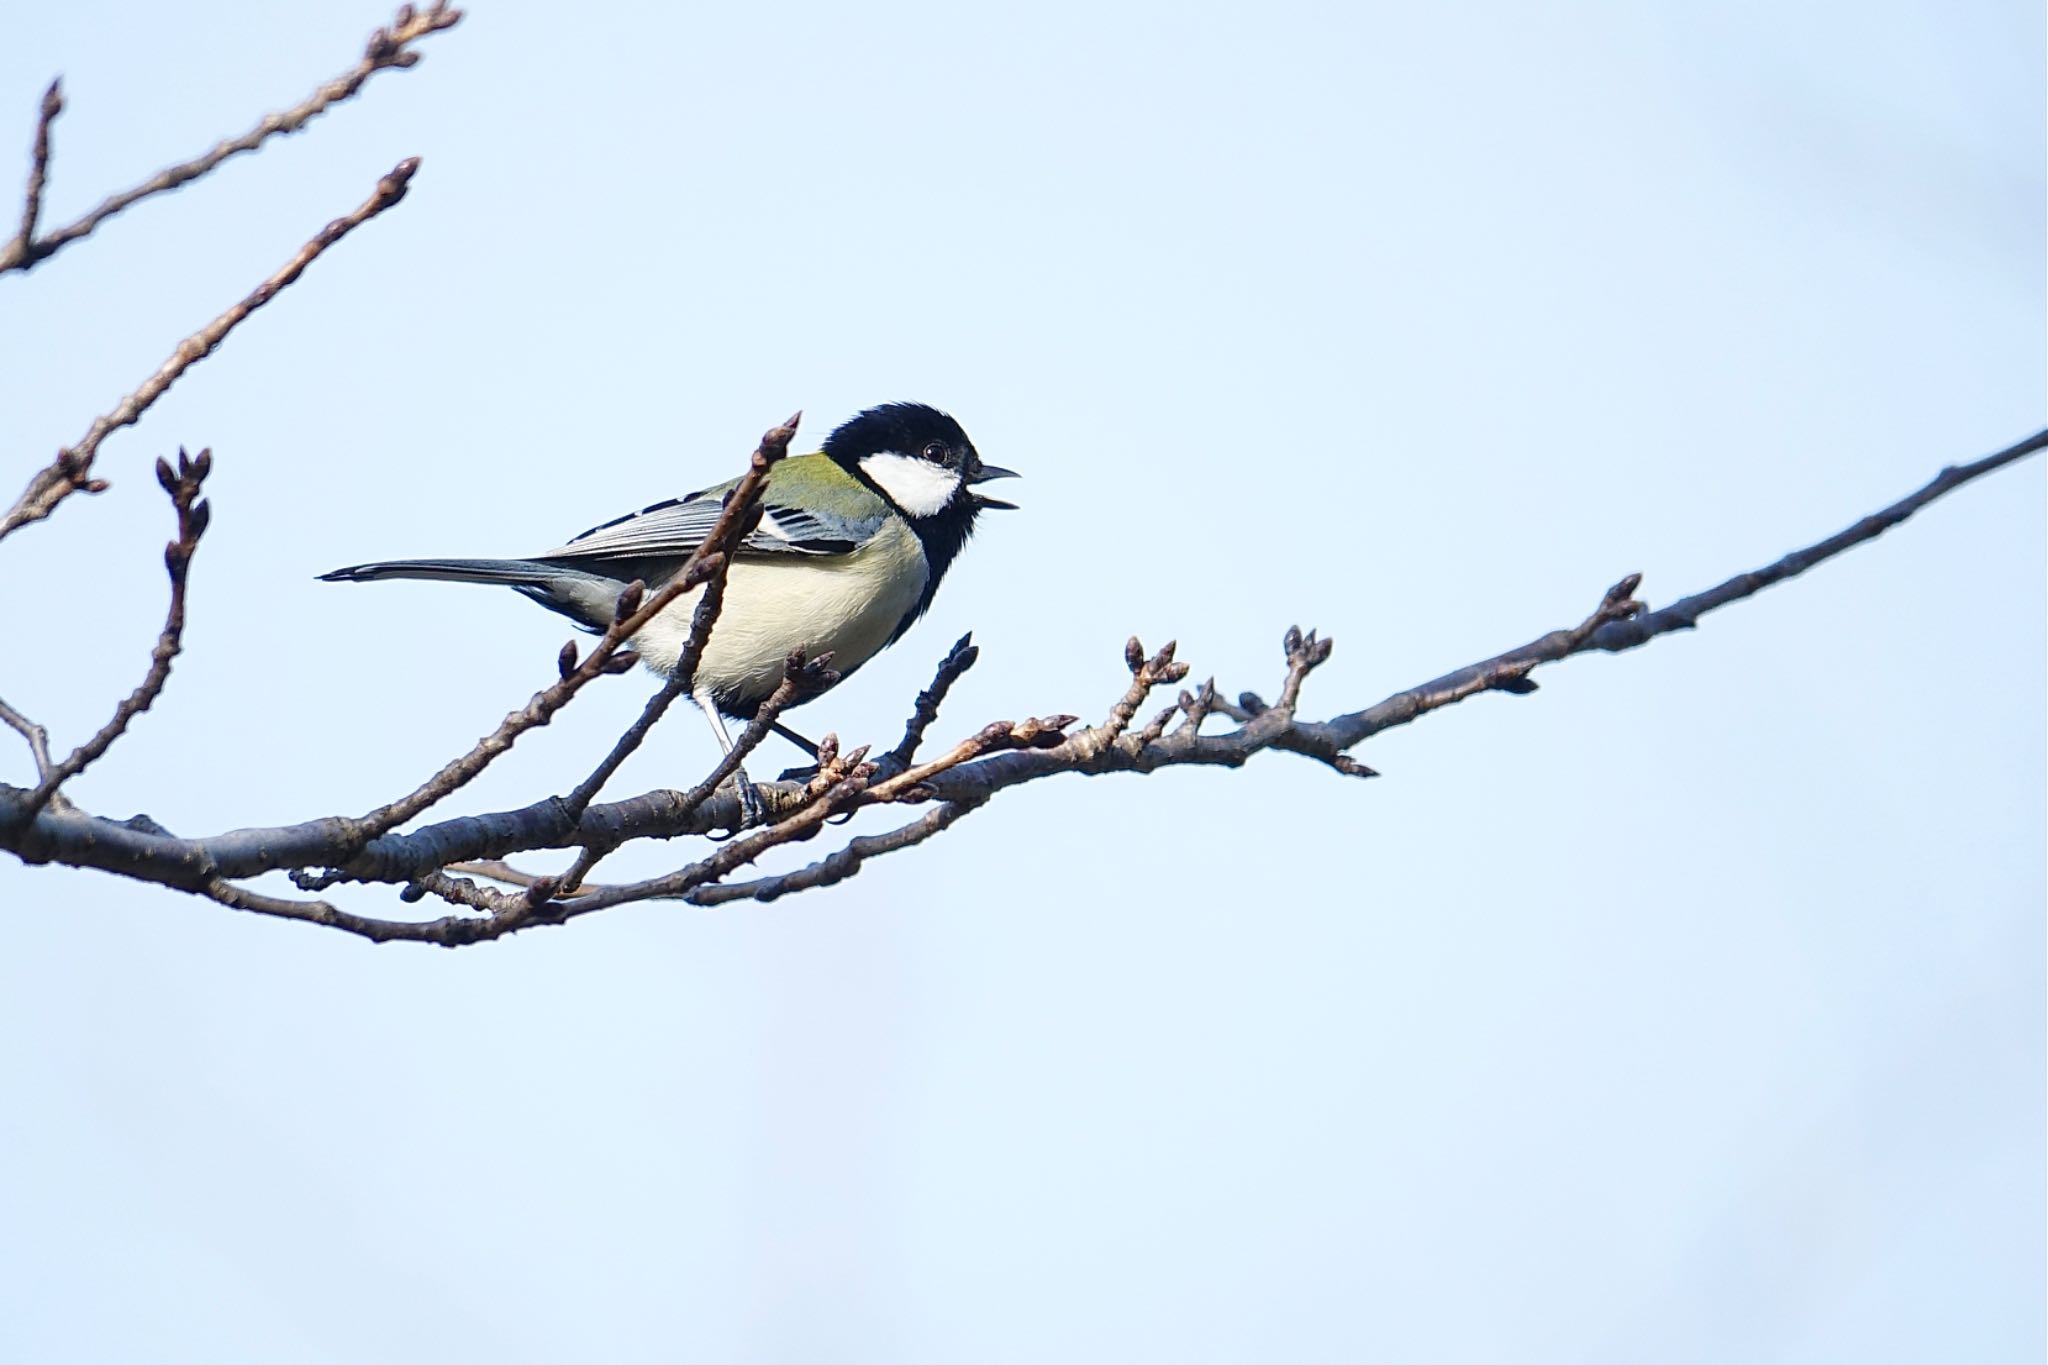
[{"x": 920, "y": 460}]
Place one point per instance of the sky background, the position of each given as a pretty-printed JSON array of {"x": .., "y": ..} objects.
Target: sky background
[{"x": 1688, "y": 1010}]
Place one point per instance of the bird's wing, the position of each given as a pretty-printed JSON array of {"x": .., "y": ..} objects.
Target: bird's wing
[{"x": 678, "y": 526}]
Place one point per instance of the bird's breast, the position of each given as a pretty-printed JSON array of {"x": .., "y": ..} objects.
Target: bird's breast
[{"x": 847, "y": 604}]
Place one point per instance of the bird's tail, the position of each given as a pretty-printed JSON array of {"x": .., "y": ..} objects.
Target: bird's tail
[
  {"x": 512, "y": 572},
  {"x": 589, "y": 599}
]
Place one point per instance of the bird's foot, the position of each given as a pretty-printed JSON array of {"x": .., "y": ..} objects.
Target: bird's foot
[{"x": 753, "y": 811}]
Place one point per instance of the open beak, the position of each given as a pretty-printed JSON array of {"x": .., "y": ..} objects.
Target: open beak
[{"x": 983, "y": 475}]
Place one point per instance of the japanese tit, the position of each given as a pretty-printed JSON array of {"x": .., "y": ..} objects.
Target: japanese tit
[{"x": 852, "y": 544}]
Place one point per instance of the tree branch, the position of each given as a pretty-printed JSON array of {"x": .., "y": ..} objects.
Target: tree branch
[
  {"x": 1613, "y": 629},
  {"x": 997, "y": 756},
  {"x": 183, "y": 486},
  {"x": 388, "y": 47},
  {"x": 38, "y": 174},
  {"x": 38, "y": 741},
  {"x": 71, "y": 471},
  {"x": 836, "y": 867},
  {"x": 958, "y": 660}
]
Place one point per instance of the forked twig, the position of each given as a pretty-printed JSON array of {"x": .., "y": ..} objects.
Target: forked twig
[{"x": 389, "y": 47}]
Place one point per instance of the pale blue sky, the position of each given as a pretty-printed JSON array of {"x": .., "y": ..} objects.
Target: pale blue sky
[{"x": 1689, "y": 1010}]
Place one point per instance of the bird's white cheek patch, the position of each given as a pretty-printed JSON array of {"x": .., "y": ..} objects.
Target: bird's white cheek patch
[{"x": 919, "y": 487}]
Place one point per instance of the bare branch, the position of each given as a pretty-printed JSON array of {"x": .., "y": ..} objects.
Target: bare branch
[
  {"x": 838, "y": 866},
  {"x": 38, "y": 172},
  {"x": 429, "y": 860},
  {"x": 804, "y": 824},
  {"x": 464, "y": 892},
  {"x": 183, "y": 486},
  {"x": 388, "y": 48},
  {"x": 500, "y": 871},
  {"x": 71, "y": 471},
  {"x": 38, "y": 738},
  {"x": 958, "y": 660},
  {"x": 1613, "y": 627},
  {"x": 38, "y": 746},
  {"x": 1146, "y": 674}
]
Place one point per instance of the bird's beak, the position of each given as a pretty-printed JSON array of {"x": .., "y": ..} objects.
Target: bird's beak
[{"x": 983, "y": 475}]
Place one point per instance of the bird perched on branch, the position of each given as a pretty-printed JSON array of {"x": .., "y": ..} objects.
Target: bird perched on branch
[{"x": 852, "y": 543}]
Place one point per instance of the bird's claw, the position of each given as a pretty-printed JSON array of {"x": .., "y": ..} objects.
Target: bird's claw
[{"x": 753, "y": 811}]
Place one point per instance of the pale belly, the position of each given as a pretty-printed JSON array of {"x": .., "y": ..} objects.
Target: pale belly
[{"x": 849, "y": 605}]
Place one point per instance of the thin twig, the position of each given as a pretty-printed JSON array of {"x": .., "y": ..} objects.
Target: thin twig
[
  {"x": 1613, "y": 629},
  {"x": 1146, "y": 674},
  {"x": 38, "y": 738},
  {"x": 38, "y": 171},
  {"x": 500, "y": 871},
  {"x": 958, "y": 660},
  {"x": 389, "y": 47},
  {"x": 193, "y": 513},
  {"x": 838, "y": 866},
  {"x": 71, "y": 471},
  {"x": 38, "y": 748}
]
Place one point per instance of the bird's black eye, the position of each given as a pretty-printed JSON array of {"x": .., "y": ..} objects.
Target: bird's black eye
[{"x": 936, "y": 452}]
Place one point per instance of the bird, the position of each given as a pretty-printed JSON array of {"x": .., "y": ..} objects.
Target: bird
[{"x": 852, "y": 543}]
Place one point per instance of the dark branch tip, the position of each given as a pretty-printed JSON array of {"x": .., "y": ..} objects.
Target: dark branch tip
[
  {"x": 775, "y": 441},
  {"x": 392, "y": 187}
]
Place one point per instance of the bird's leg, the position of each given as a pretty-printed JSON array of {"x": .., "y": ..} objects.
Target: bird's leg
[
  {"x": 809, "y": 770},
  {"x": 752, "y": 812},
  {"x": 794, "y": 738}
]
